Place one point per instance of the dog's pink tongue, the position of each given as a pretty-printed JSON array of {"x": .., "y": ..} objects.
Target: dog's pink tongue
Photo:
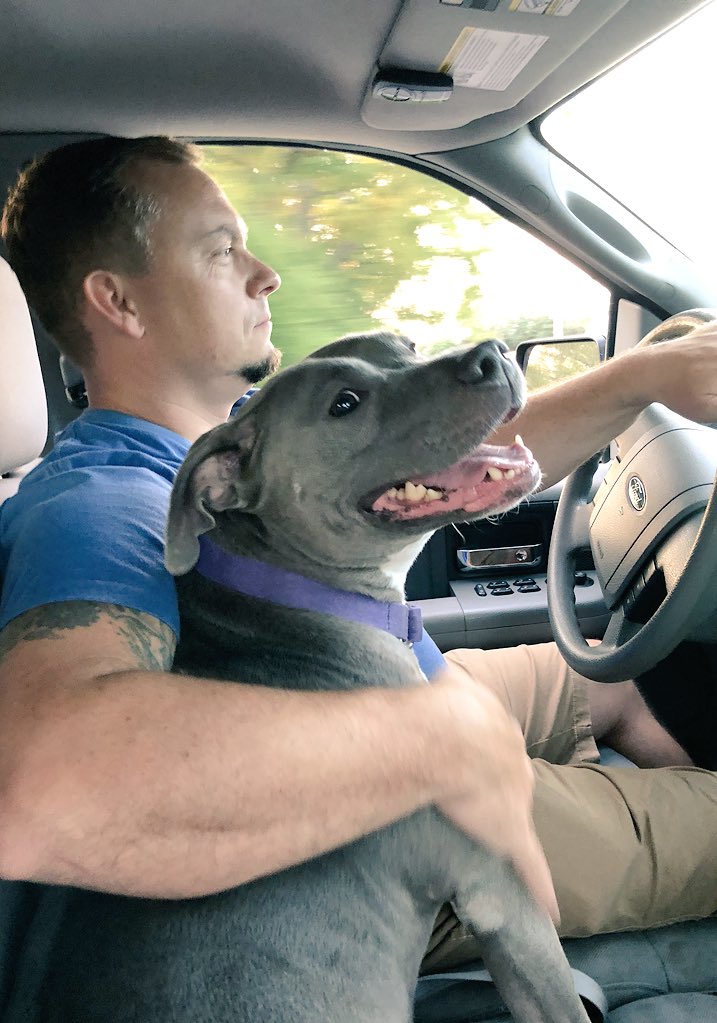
[
  {"x": 471, "y": 470},
  {"x": 482, "y": 481}
]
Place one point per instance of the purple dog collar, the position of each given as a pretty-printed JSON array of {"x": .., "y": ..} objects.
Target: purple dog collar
[{"x": 268, "y": 582}]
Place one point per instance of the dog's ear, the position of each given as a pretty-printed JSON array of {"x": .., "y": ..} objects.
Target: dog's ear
[{"x": 209, "y": 480}]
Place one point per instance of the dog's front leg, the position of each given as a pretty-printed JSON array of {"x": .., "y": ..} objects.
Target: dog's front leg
[{"x": 519, "y": 943}]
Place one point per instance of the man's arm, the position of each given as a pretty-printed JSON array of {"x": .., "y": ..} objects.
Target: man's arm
[
  {"x": 565, "y": 424},
  {"x": 115, "y": 774}
]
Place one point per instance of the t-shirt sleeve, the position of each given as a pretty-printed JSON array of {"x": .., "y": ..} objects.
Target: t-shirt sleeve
[
  {"x": 99, "y": 538},
  {"x": 429, "y": 656}
]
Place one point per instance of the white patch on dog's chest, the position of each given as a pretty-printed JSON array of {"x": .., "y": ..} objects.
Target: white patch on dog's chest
[{"x": 396, "y": 567}]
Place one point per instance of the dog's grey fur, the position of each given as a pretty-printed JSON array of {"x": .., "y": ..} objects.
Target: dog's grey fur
[{"x": 338, "y": 939}]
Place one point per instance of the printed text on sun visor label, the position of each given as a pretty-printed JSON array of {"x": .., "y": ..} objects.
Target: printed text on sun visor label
[
  {"x": 483, "y": 58},
  {"x": 559, "y": 7}
]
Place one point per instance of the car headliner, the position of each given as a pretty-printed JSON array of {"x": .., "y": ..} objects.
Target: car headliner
[{"x": 293, "y": 70}]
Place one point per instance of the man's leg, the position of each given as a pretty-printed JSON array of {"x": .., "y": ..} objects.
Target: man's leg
[
  {"x": 622, "y": 720},
  {"x": 627, "y": 848},
  {"x": 554, "y": 706}
]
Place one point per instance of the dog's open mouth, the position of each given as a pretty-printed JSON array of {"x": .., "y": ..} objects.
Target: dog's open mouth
[{"x": 490, "y": 479}]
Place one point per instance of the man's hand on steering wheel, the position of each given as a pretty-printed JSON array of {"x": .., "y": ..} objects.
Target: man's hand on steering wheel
[
  {"x": 652, "y": 524},
  {"x": 681, "y": 372}
]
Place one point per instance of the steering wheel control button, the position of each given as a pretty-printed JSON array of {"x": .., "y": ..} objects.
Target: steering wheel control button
[
  {"x": 480, "y": 590},
  {"x": 645, "y": 595}
]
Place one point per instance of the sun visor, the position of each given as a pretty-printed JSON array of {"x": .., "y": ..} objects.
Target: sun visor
[{"x": 449, "y": 62}]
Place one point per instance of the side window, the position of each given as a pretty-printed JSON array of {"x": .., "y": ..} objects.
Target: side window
[{"x": 361, "y": 244}]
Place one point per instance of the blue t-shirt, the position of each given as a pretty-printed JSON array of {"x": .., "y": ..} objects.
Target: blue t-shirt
[{"x": 88, "y": 523}]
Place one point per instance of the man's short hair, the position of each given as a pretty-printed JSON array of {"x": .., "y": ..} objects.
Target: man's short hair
[{"x": 78, "y": 209}]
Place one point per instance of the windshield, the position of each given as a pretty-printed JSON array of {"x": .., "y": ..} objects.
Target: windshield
[{"x": 643, "y": 132}]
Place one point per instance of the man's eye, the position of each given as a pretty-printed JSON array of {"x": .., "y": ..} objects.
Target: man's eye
[{"x": 345, "y": 402}]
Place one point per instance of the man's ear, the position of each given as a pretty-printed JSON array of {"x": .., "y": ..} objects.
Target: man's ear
[
  {"x": 209, "y": 480},
  {"x": 106, "y": 297}
]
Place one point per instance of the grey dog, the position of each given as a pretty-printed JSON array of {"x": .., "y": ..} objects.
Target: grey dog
[{"x": 337, "y": 472}]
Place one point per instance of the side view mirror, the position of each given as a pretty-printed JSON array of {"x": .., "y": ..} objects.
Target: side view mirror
[{"x": 549, "y": 360}]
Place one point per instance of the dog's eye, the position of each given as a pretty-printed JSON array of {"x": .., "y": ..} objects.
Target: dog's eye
[{"x": 345, "y": 402}]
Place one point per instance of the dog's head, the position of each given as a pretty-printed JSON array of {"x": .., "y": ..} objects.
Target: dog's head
[{"x": 353, "y": 454}]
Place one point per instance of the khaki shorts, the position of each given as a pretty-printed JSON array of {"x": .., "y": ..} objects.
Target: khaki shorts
[{"x": 627, "y": 848}]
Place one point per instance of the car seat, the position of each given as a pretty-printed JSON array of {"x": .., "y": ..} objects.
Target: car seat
[
  {"x": 23, "y": 409},
  {"x": 665, "y": 975},
  {"x": 23, "y": 429}
]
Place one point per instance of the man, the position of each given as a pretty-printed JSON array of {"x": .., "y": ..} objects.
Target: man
[{"x": 117, "y": 775}]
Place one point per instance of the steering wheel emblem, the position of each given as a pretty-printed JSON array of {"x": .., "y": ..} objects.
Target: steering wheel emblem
[{"x": 636, "y": 493}]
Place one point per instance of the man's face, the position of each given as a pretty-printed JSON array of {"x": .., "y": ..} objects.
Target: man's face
[{"x": 204, "y": 301}]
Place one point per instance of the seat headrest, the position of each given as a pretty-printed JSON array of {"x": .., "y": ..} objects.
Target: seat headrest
[{"x": 23, "y": 406}]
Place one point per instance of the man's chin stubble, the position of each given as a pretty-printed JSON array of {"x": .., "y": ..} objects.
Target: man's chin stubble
[{"x": 255, "y": 373}]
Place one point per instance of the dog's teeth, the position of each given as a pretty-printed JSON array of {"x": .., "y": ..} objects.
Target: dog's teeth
[
  {"x": 509, "y": 474},
  {"x": 495, "y": 473},
  {"x": 415, "y": 493},
  {"x": 519, "y": 440}
]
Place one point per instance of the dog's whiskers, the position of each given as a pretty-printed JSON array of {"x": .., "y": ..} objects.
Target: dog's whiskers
[{"x": 459, "y": 532}]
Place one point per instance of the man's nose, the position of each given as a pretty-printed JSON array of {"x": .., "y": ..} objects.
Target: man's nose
[{"x": 264, "y": 280}]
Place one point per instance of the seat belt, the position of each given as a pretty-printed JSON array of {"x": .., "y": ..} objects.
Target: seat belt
[{"x": 592, "y": 995}]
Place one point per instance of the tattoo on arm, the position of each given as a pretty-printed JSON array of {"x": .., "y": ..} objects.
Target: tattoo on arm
[{"x": 151, "y": 642}]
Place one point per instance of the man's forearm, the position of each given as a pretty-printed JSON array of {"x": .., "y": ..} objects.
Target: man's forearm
[
  {"x": 165, "y": 786},
  {"x": 566, "y": 424}
]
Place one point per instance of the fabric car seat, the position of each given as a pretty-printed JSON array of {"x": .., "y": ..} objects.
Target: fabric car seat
[
  {"x": 23, "y": 408},
  {"x": 665, "y": 975},
  {"x": 23, "y": 430}
]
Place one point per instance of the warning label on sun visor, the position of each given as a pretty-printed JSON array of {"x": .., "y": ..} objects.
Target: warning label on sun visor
[
  {"x": 483, "y": 58},
  {"x": 559, "y": 7}
]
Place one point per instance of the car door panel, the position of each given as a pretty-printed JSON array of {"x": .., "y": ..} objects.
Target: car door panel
[{"x": 456, "y": 614}]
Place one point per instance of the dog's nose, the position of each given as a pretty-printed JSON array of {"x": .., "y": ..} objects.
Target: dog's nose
[{"x": 483, "y": 363}]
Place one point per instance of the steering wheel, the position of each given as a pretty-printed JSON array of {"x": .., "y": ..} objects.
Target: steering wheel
[{"x": 652, "y": 528}]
